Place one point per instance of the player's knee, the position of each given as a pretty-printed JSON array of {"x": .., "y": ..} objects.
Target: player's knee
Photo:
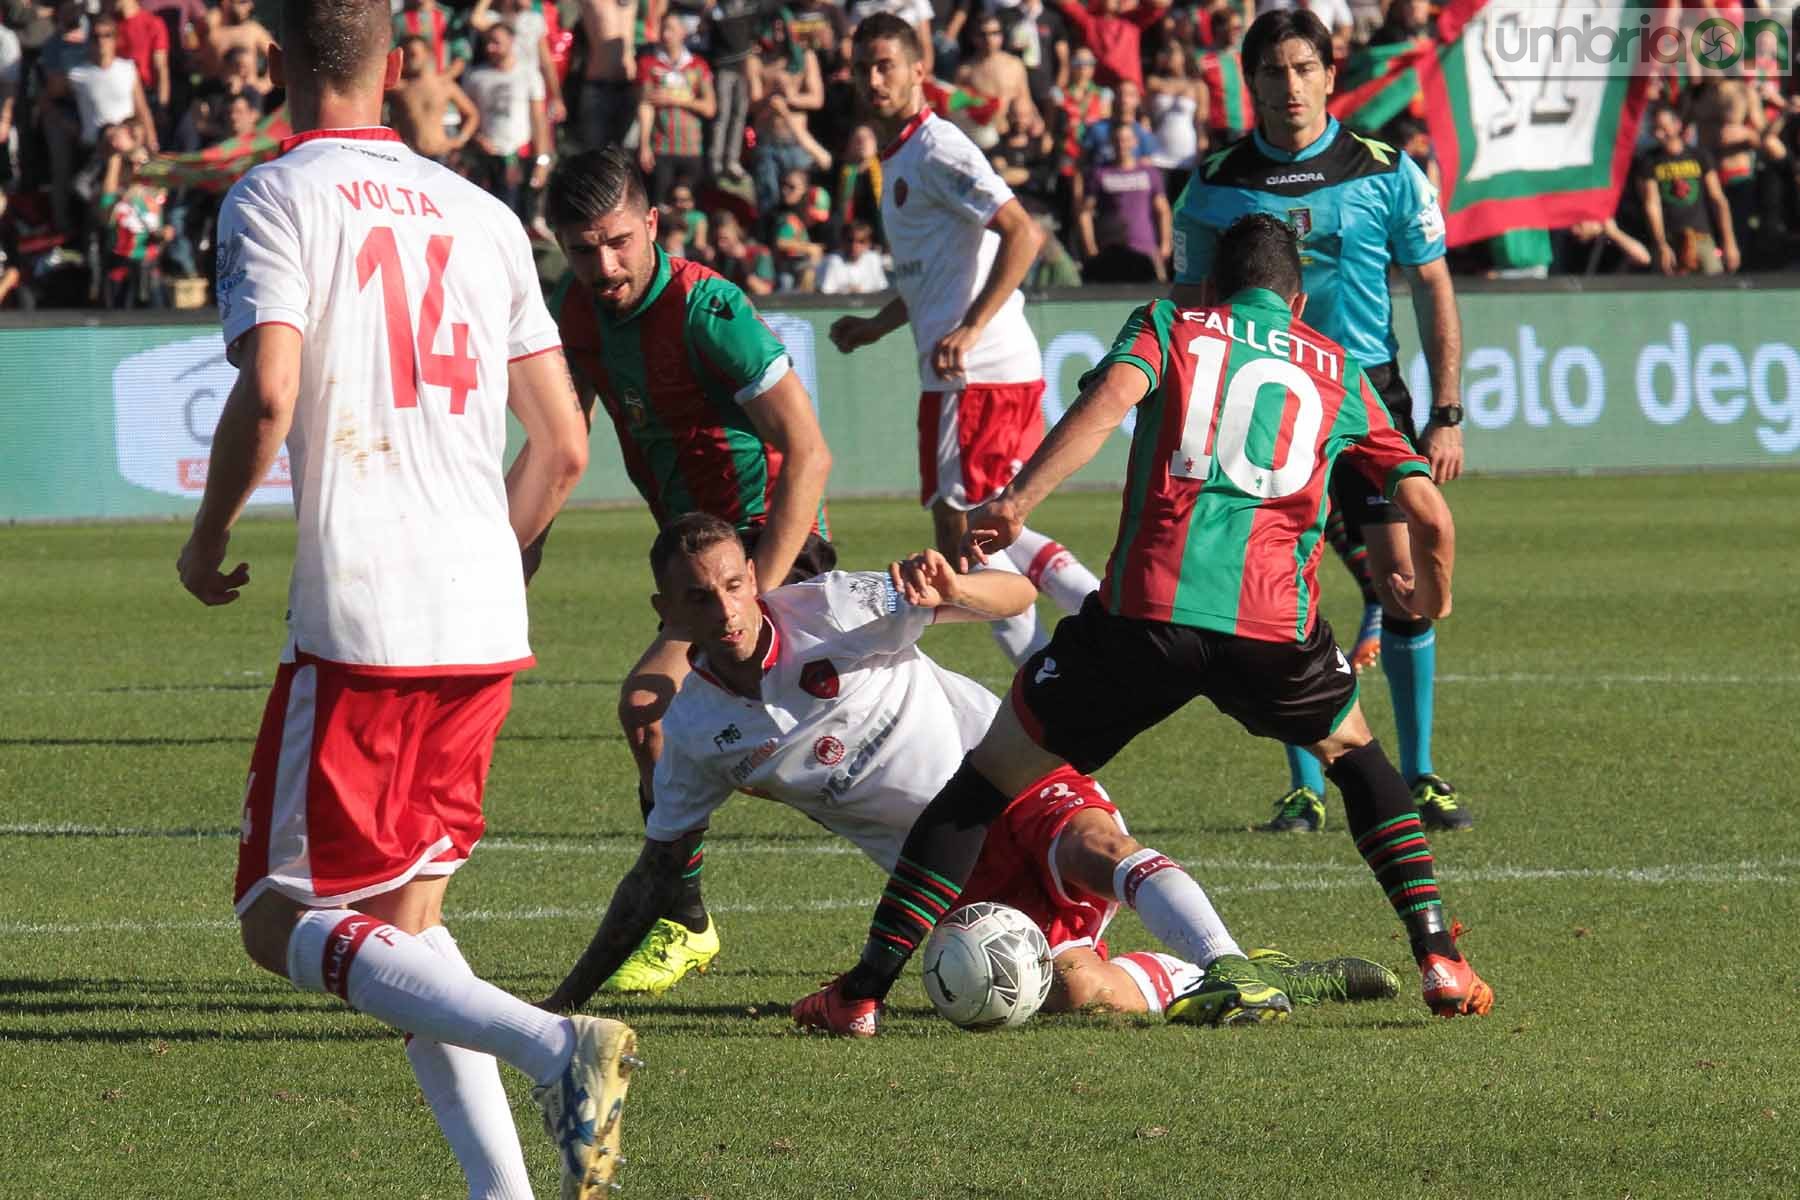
[
  {"x": 1091, "y": 848},
  {"x": 265, "y": 929},
  {"x": 1081, "y": 983}
]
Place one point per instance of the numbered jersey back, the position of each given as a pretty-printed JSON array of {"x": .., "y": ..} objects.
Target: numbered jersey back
[
  {"x": 1225, "y": 499},
  {"x": 411, "y": 289}
]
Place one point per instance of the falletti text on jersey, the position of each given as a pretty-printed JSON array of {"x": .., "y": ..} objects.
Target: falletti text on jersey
[
  {"x": 1275, "y": 341},
  {"x": 387, "y": 197}
]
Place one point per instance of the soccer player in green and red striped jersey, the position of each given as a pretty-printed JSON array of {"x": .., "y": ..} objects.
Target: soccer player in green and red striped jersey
[
  {"x": 710, "y": 417},
  {"x": 1211, "y": 591}
]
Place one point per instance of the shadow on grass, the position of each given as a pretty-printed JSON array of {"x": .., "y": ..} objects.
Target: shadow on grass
[{"x": 369, "y": 1032}]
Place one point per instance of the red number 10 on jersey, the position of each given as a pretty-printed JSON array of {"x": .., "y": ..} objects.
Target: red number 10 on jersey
[{"x": 410, "y": 367}]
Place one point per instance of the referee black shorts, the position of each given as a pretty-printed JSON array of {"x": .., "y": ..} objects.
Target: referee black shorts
[
  {"x": 1104, "y": 679},
  {"x": 1360, "y": 501}
]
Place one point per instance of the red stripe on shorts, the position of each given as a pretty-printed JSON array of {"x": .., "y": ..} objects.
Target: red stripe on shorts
[{"x": 1157, "y": 974}]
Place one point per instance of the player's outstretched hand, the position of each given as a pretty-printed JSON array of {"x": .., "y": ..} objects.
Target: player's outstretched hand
[
  {"x": 1443, "y": 447},
  {"x": 199, "y": 568},
  {"x": 927, "y": 579},
  {"x": 849, "y": 334}
]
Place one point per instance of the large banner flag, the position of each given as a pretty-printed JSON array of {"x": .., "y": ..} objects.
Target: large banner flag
[
  {"x": 1533, "y": 106},
  {"x": 216, "y": 168}
]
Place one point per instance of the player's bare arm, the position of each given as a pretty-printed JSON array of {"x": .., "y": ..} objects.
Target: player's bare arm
[
  {"x": 1440, "y": 331},
  {"x": 641, "y": 897},
  {"x": 927, "y": 580},
  {"x": 556, "y": 444},
  {"x": 851, "y": 333},
  {"x": 1433, "y": 532},
  {"x": 784, "y": 419},
  {"x": 1020, "y": 241},
  {"x": 1069, "y": 446},
  {"x": 251, "y": 430}
]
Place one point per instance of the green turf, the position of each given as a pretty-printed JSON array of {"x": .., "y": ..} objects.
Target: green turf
[{"x": 1621, "y": 679}]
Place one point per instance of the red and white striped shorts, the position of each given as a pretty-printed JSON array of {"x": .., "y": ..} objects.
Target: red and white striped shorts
[{"x": 361, "y": 782}]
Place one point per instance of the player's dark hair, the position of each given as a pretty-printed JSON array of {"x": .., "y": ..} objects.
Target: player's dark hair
[
  {"x": 1257, "y": 251},
  {"x": 886, "y": 25},
  {"x": 687, "y": 535},
  {"x": 591, "y": 184},
  {"x": 1277, "y": 26},
  {"x": 338, "y": 41}
]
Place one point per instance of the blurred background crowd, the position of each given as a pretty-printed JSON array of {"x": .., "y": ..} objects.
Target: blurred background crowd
[{"x": 122, "y": 122}]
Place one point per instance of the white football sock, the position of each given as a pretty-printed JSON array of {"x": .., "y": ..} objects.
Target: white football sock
[
  {"x": 1052, "y": 569},
  {"x": 400, "y": 981},
  {"x": 1021, "y": 636},
  {"x": 465, "y": 1093},
  {"x": 1160, "y": 977},
  {"x": 1172, "y": 907}
]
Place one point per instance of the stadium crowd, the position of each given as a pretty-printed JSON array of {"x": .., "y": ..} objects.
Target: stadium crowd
[{"x": 122, "y": 121}]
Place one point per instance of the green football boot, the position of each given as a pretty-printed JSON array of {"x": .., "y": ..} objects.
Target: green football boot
[
  {"x": 1233, "y": 993},
  {"x": 1300, "y": 811},
  {"x": 1437, "y": 803},
  {"x": 1342, "y": 980}
]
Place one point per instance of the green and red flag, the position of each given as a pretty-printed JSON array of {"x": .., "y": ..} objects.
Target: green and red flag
[
  {"x": 948, "y": 100},
  {"x": 1228, "y": 105},
  {"x": 216, "y": 168},
  {"x": 1527, "y": 137}
]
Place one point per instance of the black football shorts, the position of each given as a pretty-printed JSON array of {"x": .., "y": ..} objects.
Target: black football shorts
[
  {"x": 1360, "y": 501},
  {"x": 1104, "y": 679}
]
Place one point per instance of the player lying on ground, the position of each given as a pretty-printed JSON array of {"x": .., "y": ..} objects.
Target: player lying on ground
[
  {"x": 711, "y": 417},
  {"x": 406, "y": 612},
  {"x": 1209, "y": 592},
  {"x": 817, "y": 696}
]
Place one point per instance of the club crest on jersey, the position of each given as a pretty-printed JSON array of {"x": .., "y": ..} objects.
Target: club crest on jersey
[
  {"x": 819, "y": 678},
  {"x": 899, "y": 193},
  {"x": 1301, "y": 221},
  {"x": 829, "y": 751},
  {"x": 635, "y": 411}
]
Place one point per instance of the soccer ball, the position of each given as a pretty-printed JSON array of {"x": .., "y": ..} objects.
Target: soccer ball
[{"x": 987, "y": 966}]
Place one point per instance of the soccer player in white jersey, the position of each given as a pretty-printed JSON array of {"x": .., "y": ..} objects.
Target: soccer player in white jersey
[
  {"x": 383, "y": 315},
  {"x": 962, "y": 244},
  {"x": 818, "y": 697}
]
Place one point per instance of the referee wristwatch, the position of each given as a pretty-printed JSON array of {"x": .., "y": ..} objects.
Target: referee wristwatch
[{"x": 1449, "y": 415}]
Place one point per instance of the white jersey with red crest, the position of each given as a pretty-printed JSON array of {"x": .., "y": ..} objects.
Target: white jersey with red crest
[
  {"x": 938, "y": 194},
  {"x": 412, "y": 290}
]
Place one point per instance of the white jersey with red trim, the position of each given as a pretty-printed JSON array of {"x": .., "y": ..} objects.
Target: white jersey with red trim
[
  {"x": 412, "y": 289},
  {"x": 938, "y": 193},
  {"x": 855, "y": 726}
]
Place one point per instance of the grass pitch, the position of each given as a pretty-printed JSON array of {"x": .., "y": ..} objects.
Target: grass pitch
[{"x": 1617, "y": 698}]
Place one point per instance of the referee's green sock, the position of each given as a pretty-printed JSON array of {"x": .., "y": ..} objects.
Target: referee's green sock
[{"x": 1409, "y": 659}]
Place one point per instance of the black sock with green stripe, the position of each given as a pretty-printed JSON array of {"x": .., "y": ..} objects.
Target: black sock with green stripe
[
  {"x": 1385, "y": 825},
  {"x": 689, "y": 906},
  {"x": 1355, "y": 555},
  {"x": 935, "y": 862}
]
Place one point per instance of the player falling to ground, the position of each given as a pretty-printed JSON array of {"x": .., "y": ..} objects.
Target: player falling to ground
[
  {"x": 962, "y": 244},
  {"x": 711, "y": 417},
  {"x": 1211, "y": 591},
  {"x": 817, "y": 695},
  {"x": 384, "y": 315},
  {"x": 1358, "y": 206}
]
